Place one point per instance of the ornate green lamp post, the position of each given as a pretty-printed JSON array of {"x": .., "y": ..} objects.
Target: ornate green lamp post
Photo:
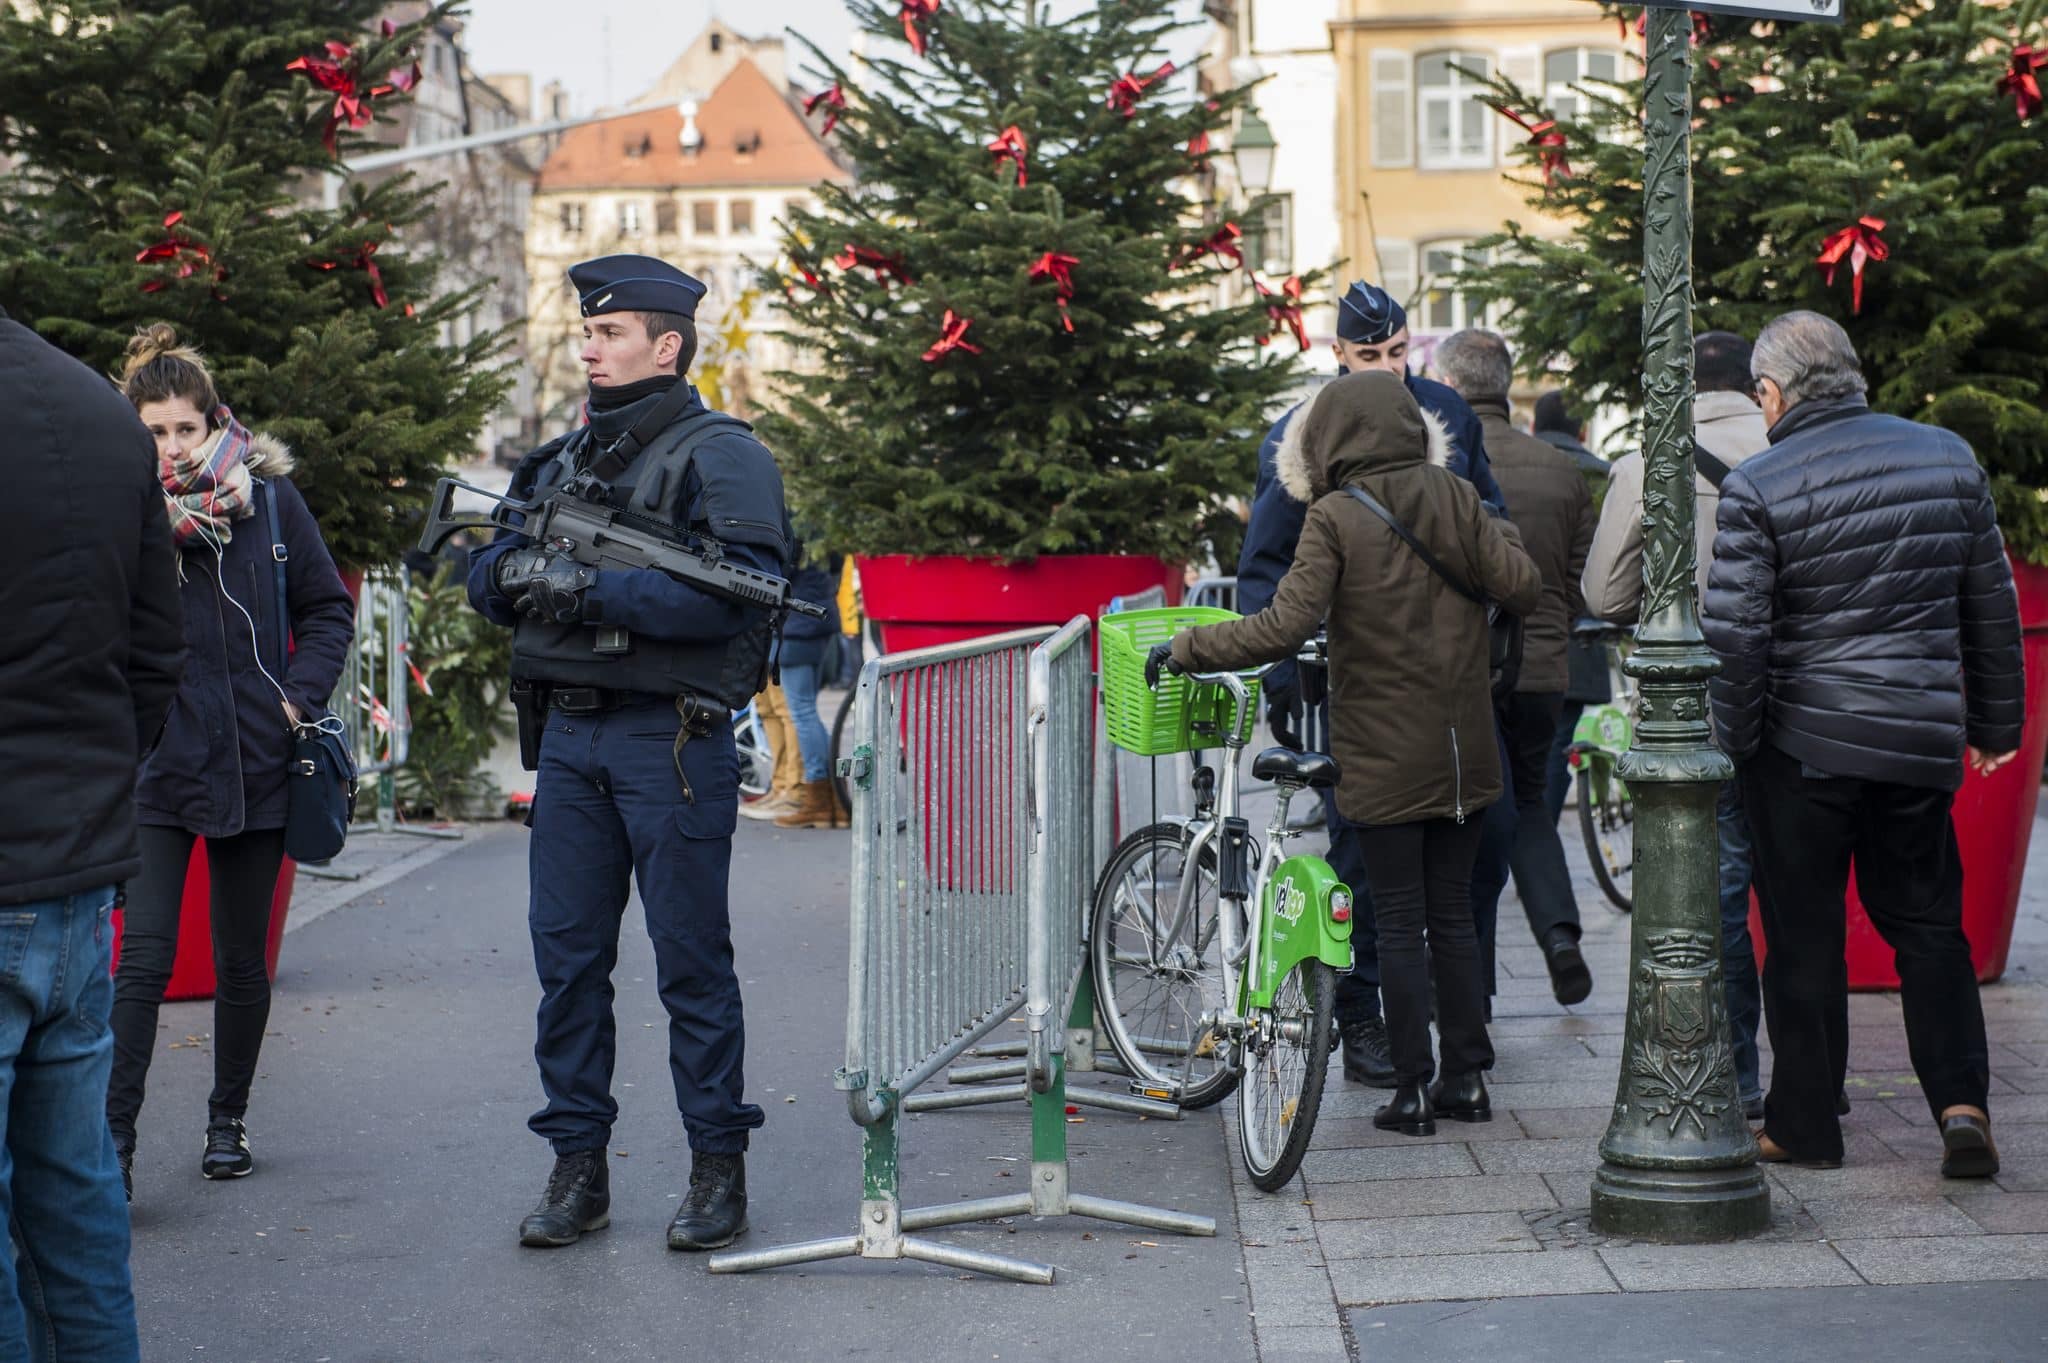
[{"x": 1678, "y": 1163}]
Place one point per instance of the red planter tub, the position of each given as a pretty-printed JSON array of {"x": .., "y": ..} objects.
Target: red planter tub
[
  {"x": 192, "y": 972},
  {"x": 1994, "y": 817},
  {"x": 942, "y": 599}
]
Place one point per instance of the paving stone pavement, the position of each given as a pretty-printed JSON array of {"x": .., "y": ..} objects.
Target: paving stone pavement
[{"x": 1495, "y": 1212}]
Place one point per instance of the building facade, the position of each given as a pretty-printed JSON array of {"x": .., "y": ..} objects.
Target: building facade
[
  {"x": 1421, "y": 157},
  {"x": 701, "y": 184}
]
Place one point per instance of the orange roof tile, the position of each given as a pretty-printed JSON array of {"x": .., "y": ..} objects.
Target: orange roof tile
[{"x": 746, "y": 106}]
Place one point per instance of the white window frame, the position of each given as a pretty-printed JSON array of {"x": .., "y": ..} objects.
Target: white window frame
[
  {"x": 1460, "y": 97},
  {"x": 571, "y": 218},
  {"x": 1560, "y": 100},
  {"x": 1423, "y": 317},
  {"x": 1397, "y": 269},
  {"x": 1392, "y": 106},
  {"x": 632, "y": 218}
]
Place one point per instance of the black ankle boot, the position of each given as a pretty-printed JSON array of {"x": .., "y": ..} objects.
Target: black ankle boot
[
  {"x": 578, "y": 1198},
  {"x": 1461, "y": 1097},
  {"x": 1410, "y": 1113},
  {"x": 714, "y": 1211}
]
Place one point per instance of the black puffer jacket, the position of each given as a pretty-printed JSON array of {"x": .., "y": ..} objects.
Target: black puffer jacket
[{"x": 1861, "y": 602}]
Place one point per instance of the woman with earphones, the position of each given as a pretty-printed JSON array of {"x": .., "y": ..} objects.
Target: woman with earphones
[{"x": 218, "y": 772}]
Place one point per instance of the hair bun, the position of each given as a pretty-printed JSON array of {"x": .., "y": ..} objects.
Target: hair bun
[{"x": 151, "y": 342}]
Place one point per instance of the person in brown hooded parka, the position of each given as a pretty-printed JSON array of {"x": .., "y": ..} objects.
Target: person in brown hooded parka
[{"x": 1411, "y": 709}]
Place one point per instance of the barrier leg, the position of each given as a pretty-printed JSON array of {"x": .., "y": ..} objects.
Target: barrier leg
[{"x": 1050, "y": 1194}]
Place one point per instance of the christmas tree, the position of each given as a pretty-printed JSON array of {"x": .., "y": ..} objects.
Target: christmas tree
[
  {"x": 1014, "y": 352},
  {"x": 1891, "y": 172},
  {"x": 169, "y": 157}
]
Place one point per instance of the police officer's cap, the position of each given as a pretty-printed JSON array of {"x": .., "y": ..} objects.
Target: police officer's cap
[
  {"x": 1368, "y": 315},
  {"x": 634, "y": 284}
]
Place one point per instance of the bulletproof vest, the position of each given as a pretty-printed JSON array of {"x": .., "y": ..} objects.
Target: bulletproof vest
[{"x": 739, "y": 501}]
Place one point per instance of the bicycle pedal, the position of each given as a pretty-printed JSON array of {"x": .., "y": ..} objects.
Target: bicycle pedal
[{"x": 1154, "y": 1092}]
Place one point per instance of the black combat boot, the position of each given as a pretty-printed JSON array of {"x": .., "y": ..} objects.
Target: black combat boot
[
  {"x": 578, "y": 1198},
  {"x": 714, "y": 1211},
  {"x": 1366, "y": 1057}
]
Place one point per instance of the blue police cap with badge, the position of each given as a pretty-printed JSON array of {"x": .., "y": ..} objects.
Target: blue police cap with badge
[
  {"x": 1367, "y": 315},
  {"x": 634, "y": 284}
]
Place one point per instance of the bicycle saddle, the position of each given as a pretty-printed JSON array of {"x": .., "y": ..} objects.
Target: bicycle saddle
[{"x": 1316, "y": 770}]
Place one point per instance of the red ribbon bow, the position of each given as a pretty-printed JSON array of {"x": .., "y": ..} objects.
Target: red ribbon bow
[
  {"x": 1544, "y": 136},
  {"x": 340, "y": 74},
  {"x": 1060, "y": 270},
  {"x": 1284, "y": 309},
  {"x": 1126, "y": 90},
  {"x": 952, "y": 336},
  {"x": 360, "y": 259},
  {"x": 1198, "y": 145},
  {"x": 1860, "y": 243},
  {"x": 915, "y": 14},
  {"x": 2018, "y": 80},
  {"x": 834, "y": 101},
  {"x": 1011, "y": 146},
  {"x": 886, "y": 267},
  {"x": 1222, "y": 242},
  {"x": 174, "y": 246}
]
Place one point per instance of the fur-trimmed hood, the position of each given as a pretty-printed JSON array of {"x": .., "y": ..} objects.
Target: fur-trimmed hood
[
  {"x": 1362, "y": 423},
  {"x": 270, "y": 457}
]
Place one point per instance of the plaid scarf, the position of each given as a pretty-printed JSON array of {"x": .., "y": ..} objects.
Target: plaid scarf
[{"x": 209, "y": 487}]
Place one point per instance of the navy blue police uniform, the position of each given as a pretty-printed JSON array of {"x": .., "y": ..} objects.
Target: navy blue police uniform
[
  {"x": 1366, "y": 315},
  {"x": 637, "y": 775}
]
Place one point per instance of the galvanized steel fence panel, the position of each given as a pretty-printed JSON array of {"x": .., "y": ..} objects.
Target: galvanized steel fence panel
[{"x": 1064, "y": 860}]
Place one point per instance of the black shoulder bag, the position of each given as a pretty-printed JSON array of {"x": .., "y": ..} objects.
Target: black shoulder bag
[
  {"x": 1503, "y": 628},
  {"x": 320, "y": 784}
]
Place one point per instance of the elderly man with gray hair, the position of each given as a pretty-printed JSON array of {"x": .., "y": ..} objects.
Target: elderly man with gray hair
[
  {"x": 1552, "y": 509},
  {"x": 1863, "y": 610}
]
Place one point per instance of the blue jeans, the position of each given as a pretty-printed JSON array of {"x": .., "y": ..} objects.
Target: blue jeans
[
  {"x": 1738, "y": 957},
  {"x": 65, "y": 1295},
  {"x": 800, "y": 689}
]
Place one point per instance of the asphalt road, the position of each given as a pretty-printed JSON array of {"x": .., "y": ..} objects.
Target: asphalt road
[{"x": 393, "y": 1165}]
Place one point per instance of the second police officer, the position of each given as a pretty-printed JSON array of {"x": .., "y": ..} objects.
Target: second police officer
[{"x": 630, "y": 676}]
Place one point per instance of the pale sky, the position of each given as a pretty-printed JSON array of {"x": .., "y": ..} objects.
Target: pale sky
[{"x": 608, "y": 51}]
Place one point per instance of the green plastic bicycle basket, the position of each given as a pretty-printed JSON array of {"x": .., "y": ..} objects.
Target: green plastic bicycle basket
[{"x": 1180, "y": 715}]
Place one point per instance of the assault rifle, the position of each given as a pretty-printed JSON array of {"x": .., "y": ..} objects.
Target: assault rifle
[{"x": 577, "y": 524}]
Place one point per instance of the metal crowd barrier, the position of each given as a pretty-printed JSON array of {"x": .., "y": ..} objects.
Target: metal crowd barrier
[
  {"x": 1212, "y": 591},
  {"x": 373, "y": 702},
  {"x": 973, "y": 862}
]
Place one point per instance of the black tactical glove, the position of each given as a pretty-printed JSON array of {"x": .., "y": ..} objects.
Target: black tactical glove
[
  {"x": 1160, "y": 656},
  {"x": 545, "y": 586}
]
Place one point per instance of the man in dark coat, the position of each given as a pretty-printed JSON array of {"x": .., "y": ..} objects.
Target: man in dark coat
[
  {"x": 88, "y": 663},
  {"x": 1554, "y": 513},
  {"x": 636, "y": 673},
  {"x": 1372, "y": 333},
  {"x": 1863, "y": 610}
]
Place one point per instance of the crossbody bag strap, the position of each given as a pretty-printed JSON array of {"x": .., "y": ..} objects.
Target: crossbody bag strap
[
  {"x": 280, "y": 554},
  {"x": 1435, "y": 565},
  {"x": 1711, "y": 468}
]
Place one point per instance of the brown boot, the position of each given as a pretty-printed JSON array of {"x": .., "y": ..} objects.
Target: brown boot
[{"x": 812, "y": 807}]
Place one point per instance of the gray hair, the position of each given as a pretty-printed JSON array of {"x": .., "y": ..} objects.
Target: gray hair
[
  {"x": 1809, "y": 357},
  {"x": 1477, "y": 364}
]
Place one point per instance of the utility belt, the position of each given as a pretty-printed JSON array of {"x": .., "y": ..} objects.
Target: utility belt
[{"x": 698, "y": 717}]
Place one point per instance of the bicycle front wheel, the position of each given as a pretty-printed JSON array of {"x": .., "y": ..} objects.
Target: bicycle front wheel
[
  {"x": 1287, "y": 1057},
  {"x": 757, "y": 760},
  {"x": 1607, "y": 820},
  {"x": 1155, "y": 978}
]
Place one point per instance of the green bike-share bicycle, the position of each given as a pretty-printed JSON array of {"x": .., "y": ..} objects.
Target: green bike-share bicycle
[{"x": 1214, "y": 955}]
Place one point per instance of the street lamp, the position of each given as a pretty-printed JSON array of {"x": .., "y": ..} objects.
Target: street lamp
[{"x": 1252, "y": 151}]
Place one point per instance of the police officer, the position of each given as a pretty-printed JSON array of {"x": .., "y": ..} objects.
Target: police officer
[
  {"x": 630, "y": 677},
  {"x": 1372, "y": 333}
]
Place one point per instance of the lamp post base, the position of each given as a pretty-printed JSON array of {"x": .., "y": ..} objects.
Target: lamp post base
[{"x": 1680, "y": 1206}]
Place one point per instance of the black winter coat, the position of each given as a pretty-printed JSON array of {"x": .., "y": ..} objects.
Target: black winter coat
[
  {"x": 220, "y": 769},
  {"x": 90, "y": 653},
  {"x": 1861, "y": 602}
]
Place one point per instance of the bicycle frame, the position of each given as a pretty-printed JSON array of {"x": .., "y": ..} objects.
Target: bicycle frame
[{"x": 1290, "y": 891}]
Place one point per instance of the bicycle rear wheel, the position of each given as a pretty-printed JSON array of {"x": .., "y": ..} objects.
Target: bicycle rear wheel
[
  {"x": 757, "y": 761},
  {"x": 1607, "y": 821},
  {"x": 1287, "y": 1057},
  {"x": 1155, "y": 981}
]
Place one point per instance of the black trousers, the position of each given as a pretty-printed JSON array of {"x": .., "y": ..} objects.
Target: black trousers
[
  {"x": 243, "y": 872},
  {"x": 1529, "y": 723},
  {"x": 1902, "y": 840},
  {"x": 1421, "y": 886}
]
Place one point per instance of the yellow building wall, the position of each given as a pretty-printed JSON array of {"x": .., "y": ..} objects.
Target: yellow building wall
[{"x": 1414, "y": 205}]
